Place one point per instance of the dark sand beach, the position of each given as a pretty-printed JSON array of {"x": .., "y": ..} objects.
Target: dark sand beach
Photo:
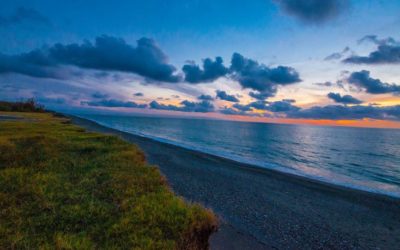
[{"x": 265, "y": 209}]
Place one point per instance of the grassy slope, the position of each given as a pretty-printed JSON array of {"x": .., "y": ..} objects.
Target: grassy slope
[{"x": 66, "y": 188}]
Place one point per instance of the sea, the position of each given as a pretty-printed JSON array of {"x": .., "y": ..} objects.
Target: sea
[{"x": 362, "y": 158}]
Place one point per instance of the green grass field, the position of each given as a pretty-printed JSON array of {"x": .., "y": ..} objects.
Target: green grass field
[{"x": 64, "y": 188}]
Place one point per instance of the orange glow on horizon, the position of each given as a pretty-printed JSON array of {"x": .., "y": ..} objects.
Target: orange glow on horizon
[{"x": 364, "y": 123}]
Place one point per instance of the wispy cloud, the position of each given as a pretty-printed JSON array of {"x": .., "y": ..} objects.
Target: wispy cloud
[
  {"x": 313, "y": 11},
  {"x": 387, "y": 52},
  {"x": 24, "y": 15}
]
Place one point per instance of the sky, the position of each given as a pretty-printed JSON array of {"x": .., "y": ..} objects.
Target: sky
[{"x": 319, "y": 62}]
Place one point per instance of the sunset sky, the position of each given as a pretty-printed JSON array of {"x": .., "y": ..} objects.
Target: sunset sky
[{"x": 332, "y": 62}]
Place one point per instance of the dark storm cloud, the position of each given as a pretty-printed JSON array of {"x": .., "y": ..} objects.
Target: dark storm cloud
[
  {"x": 205, "y": 97},
  {"x": 224, "y": 96},
  {"x": 387, "y": 52},
  {"x": 107, "y": 53},
  {"x": 186, "y": 106},
  {"x": 112, "y": 103},
  {"x": 252, "y": 75},
  {"x": 313, "y": 11},
  {"x": 24, "y": 15},
  {"x": 345, "y": 99},
  {"x": 211, "y": 71},
  {"x": 363, "y": 80},
  {"x": 337, "y": 112},
  {"x": 138, "y": 94}
]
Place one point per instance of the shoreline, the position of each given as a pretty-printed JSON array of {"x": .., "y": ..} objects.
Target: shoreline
[
  {"x": 257, "y": 168},
  {"x": 278, "y": 209}
]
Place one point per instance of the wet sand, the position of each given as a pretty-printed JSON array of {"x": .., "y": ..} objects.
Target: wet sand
[{"x": 265, "y": 209}]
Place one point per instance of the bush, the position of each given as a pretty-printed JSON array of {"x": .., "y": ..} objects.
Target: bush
[{"x": 29, "y": 105}]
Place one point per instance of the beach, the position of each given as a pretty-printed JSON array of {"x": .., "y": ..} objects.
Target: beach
[{"x": 266, "y": 209}]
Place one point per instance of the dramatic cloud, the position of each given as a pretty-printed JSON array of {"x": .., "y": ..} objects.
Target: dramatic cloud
[
  {"x": 363, "y": 80},
  {"x": 110, "y": 53},
  {"x": 224, "y": 96},
  {"x": 252, "y": 75},
  {"x": 387, "y": 52},
  {"x": 211, "y": 71},
  {"x": 205, "y": 97},
  {"x": 339, "y": 112},
  {"x": 112, "y": 103},
  {"x": 107, "y": 53},
  {"x": 313, "y": 11},
  {"x": 138, "y": 94},
  {"x": 24, "y": 15},
  {"x": 345, "y": 99},
  {"x": 34, "y": 64},
  {"x": 186, "y": 106}
]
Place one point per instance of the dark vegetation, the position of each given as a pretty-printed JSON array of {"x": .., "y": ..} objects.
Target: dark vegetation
[
  {"x": 29, "y": 105},
  {"x": 64, "y": 188}
]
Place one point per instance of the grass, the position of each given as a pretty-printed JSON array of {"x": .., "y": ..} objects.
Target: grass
[{"x": 64, "y": 188}]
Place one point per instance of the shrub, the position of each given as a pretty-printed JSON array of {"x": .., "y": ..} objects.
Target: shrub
[{"x": 29, "y": 105}]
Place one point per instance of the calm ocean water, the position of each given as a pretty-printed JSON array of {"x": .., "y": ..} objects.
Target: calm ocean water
[{"x": 367, "y": 159}]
